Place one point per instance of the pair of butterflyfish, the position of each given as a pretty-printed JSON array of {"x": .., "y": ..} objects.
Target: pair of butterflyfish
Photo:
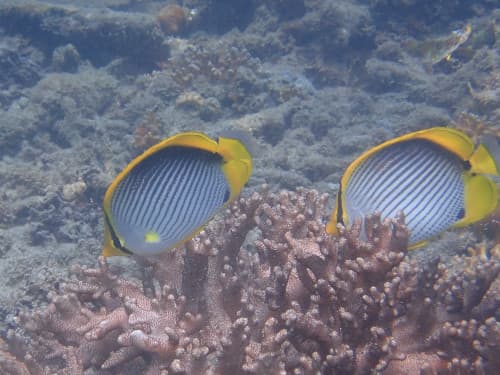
[
  {"x": 165, "y": 196},
  {"x": 436, "y": 177}
]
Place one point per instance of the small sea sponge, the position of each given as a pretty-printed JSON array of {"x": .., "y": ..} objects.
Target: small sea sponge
[
  {"x": 488, "y": 94},
  {"x": 207, "y": 109},
  {"x": 73, "y": 190},
  {"x": 190, "y": 99},
  {"x": 172, "y": 18},
  {"x": 147, "y": 133}
]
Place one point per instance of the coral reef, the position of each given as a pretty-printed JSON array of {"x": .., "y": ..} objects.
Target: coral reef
[
  {"x": 147, "y": 133},
  {"x": 337, "y": 25},
  {"x": 73, "y": 190},
  {"x": 434, "y": 13},
  {"x": 66, "y": 58},
  {"x": 195, "y": 65},
  {"x": 264, "y": 290},
  {"x": 221, "y": 16},
  {"x": 218, "y": 64},
  {"x": 20, "y": 63},
  {"x": 489, "y": 94},
  {"x": 172, "y": 18},
  {"x": 87, "y": 85},
  {"x": 21, "y": 66},
  {"x": 475, "y": 127},
  {"x": 97, "y": 35},
  {"x": 192, "y": 101}
]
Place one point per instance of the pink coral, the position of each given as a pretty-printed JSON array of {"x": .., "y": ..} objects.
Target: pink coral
[{"x": 264, "y": 290}]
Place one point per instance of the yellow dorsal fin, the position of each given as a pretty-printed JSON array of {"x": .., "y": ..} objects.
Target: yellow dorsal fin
[
  {"x": 188, "y": 139},
  {"x": 483, "y": 162},
  {"x": 458, "y": 143},
  {"x": 481, "y": 198},
  {"x": 237, "y": 163},
  {"x": 452, "y": 140}
]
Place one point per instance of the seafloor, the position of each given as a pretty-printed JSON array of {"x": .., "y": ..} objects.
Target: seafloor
[{"x": 87, "y": 85}]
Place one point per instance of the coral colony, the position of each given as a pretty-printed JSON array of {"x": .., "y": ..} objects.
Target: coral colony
[{"x": 263, "y": 290}]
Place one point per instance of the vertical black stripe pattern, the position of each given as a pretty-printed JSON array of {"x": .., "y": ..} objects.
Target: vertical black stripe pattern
[
  {"x": 417, "y": 177},
  {"x": 172, "y": 193}
]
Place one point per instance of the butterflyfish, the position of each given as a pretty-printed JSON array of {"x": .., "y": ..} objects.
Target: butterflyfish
[
  {"x": 164, "y": 197},
  {"x": 437, "y": 177}
]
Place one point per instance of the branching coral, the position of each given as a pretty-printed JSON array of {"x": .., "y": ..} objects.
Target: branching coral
[
  {"x": 218, "y": 64},
  {"x": 475, "y": 127},
  {"x": 264, "y": 290},
  {"x": 147, "y": 133},
  {"x": 200, "y": 63},
  {"x": 489, "y": 94}
]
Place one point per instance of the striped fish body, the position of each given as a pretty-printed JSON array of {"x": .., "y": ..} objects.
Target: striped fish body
[
  {"x": 167, "y": 194},
  {"x": 171, "y": 194},
  {"x": 415, "y": 177},
  {"x": 436, "y": 177}
]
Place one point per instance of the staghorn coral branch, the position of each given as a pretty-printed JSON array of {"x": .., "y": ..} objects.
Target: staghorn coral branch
[{"x": 265, "y": 290}]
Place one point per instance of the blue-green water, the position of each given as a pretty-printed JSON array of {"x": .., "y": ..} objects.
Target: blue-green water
[{"x": 87, "y": 86}]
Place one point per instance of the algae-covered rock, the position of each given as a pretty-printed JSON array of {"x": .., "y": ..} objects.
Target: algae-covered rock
[{"x": 99, "y": 35}]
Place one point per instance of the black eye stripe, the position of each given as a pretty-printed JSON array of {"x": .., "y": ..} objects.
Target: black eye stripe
[
  {"x": 339, "y": 206},
  {"x": 114, "y": 237}
]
